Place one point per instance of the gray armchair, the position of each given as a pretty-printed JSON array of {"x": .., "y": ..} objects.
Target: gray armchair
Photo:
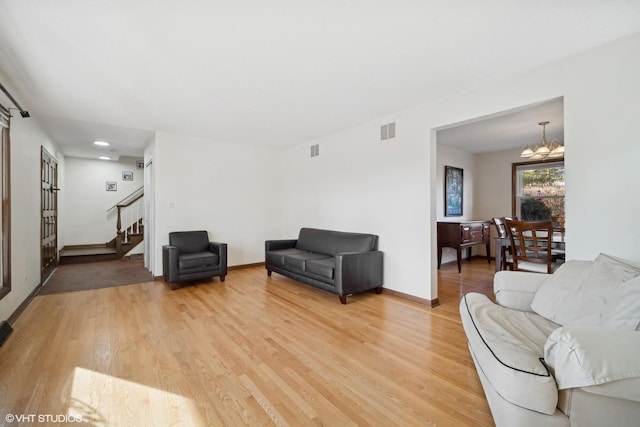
[{"x": 191, "y": 256}]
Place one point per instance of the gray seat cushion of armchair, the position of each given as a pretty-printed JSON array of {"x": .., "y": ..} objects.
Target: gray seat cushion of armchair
[{"x": 197, "y": 261}]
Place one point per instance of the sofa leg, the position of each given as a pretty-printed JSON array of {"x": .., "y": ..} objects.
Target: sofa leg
[
  {"x": 174, "y": 286},
  {"x": 222, "y": 277},
  {"x": 379, "y": 290},
  {"x": 343, "y": 298},
  {"x": 269, "y": 273}
]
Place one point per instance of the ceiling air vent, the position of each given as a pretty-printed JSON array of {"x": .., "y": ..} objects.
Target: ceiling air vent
[{"x": 388, "y": 131}]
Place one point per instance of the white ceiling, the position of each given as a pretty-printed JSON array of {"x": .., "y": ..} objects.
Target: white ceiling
[
  {"x": 506, "y": 130},
  {"x": 273, "y": 73}
]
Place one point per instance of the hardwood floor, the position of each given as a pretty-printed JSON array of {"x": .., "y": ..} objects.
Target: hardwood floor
[{"x": 250, "y": 351}]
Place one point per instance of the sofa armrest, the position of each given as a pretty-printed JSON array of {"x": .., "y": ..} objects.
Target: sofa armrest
[
  {"x": 273, "y": 245},
  {"x": 516, "y": 289},
  {"x": 358, "y": 271},
  {"x": 220, "y": 249},
  {"x": 600, "y": 360},
  {"x": 170, "y": 263}
]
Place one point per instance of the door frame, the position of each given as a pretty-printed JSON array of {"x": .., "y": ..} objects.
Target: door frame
[
  {"x": 48, "y": 194},
  {"x": 149, "y": 217}
]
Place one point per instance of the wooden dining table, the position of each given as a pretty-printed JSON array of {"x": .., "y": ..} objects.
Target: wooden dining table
[{"x": 502, "y": 243}]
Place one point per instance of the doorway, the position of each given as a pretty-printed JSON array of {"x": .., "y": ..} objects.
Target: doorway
[
  {"x": 49, "y": 215},
  {"x": 486, "y": 147}
]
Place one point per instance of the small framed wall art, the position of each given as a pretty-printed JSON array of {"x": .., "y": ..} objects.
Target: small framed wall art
[
  {"x": 453, "y": 187},
  {"x": 111, "y": 186},
  {"x": 127, "y": 175}
]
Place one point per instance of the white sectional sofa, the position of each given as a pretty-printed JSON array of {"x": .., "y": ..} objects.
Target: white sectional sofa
[{"x": 560, "y": 349}]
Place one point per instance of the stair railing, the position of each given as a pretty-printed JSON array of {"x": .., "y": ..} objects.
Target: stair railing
[
  {"x": 129, "y": 198},
  {"x": 132, "y": 210}
]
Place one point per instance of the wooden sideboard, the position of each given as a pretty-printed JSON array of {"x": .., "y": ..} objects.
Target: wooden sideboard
[{"x": 463, "y": 235}]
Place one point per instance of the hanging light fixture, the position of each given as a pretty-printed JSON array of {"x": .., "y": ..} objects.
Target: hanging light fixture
[{"x": 544, "y": 149}]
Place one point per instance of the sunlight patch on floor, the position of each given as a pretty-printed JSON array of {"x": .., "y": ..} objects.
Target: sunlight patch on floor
[{"x": 104, "y": 400}]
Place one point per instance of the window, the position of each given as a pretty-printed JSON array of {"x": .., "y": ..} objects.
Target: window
[
  {"x": 5, "y": 210},
  {"x": 538, "y": 190}
]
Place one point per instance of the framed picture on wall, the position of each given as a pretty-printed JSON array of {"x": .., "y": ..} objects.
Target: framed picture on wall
[
  {"x": 139, "y": 164},
  {"x": 127, "y": 175},
  {"x": 453, "y": 186},
  {"x": 111, "y": 186}
]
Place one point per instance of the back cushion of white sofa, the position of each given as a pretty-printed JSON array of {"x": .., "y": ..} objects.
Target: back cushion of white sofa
[
  {"x": 619, "y": 261},
  {"x": 623, "y": 307},
  {"x": 584, "y": 293},
  {"x": 556, "y": 288},
  {"x": 516, "y": 289}
]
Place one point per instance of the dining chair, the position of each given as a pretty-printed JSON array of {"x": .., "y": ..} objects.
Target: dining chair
[
  {"x": 530, "y": 245},
  {"x": 558, "y": 251},
  {"x": 504, "y": 242},
  {"x": 558, "y": 223}
]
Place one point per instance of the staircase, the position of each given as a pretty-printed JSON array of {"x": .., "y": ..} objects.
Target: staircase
[{"x": 121, "y": 244}]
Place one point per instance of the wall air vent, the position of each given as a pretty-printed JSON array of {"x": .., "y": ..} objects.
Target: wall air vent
[
  {"x": 315, "y": 150},
  {"x": 388, "y": 131}
]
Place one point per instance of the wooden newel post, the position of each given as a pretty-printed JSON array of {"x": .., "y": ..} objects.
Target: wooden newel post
[
  {"x": 119, "y": 232},
  {"x": 119, "y": 223}
]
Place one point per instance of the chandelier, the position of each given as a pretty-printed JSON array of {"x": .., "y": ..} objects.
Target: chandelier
[{"x": 544, "y": 149}]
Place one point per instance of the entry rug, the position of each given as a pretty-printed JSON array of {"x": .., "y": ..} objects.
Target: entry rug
[{"x": 96, "y": 275}]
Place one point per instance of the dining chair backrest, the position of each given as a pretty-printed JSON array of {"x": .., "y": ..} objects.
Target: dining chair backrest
[
  {"x": 505, "y": 248},
  {"x": 501, "y": 225},
  {"x": 530, "y": 245},
  {"x": 558, "y": 223}
]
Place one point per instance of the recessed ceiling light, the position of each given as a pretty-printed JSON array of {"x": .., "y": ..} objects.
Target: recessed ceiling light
[
  {"x": 104, "y": 158},
  {"x": 103, "y": 143}
]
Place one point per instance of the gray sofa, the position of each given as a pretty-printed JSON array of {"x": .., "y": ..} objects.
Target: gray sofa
[{"x": 335, "y": 261}]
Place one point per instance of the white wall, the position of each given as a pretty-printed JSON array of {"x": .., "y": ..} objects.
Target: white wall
[
  {"x": 493, "y": 185},
  {"x": 27, "y": 138},
  {"x": 89, "y": 218},
  {"x": 493, "y": 182},
  {"x": 230, "y": 190},
  {"x": 361, "y": 184},
  {"x": 391, "y": 189}
]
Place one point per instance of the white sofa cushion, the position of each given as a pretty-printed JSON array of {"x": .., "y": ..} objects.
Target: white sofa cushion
[
  {"x": 508, "y": 346},
  {"x": 516, "y": 289},
  {"x": 619, "y": 261},
  {"x": 601, "y": 357},
  {"x": 591, "y": 293}
]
